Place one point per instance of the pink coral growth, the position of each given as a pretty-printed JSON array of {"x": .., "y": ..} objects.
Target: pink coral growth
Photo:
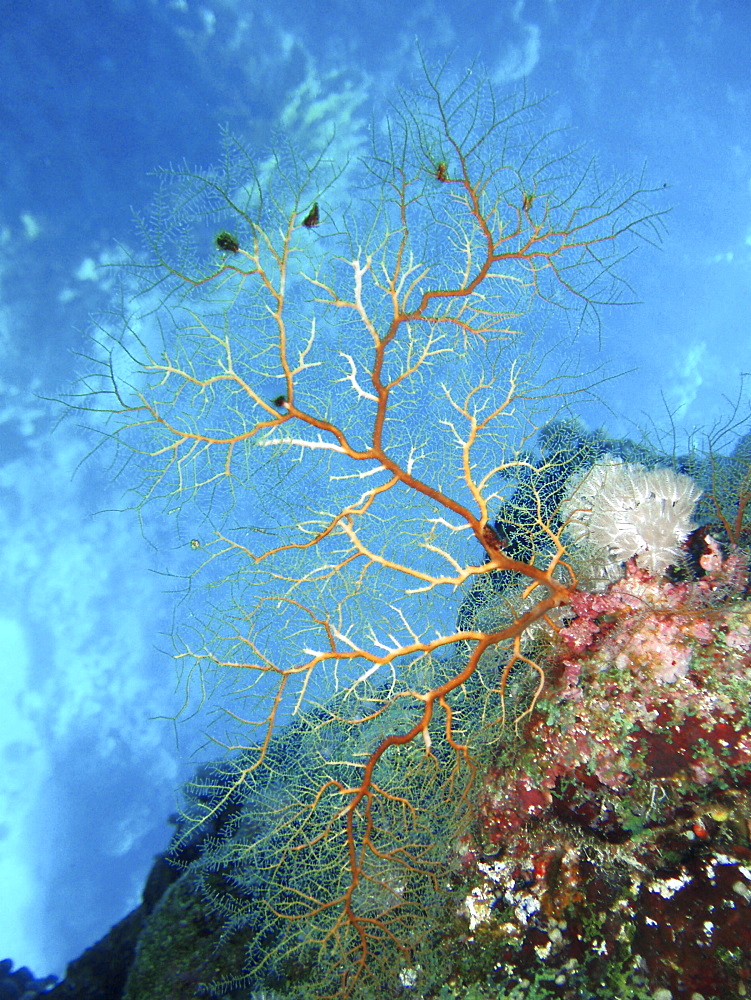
[
  {"x": 645, "y": 671},
  {"x": 642, "y": 621},
  {"x": 631, "y": 792}
]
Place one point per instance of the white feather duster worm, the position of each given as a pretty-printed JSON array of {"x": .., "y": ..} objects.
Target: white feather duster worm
[{"x": 620, "y": 511}]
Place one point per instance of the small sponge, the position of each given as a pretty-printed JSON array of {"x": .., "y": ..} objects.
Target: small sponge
[{"x": 621, "y": 511}]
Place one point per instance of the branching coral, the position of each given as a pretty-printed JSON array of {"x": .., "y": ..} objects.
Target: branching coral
[{"x": 341, "y": 396}]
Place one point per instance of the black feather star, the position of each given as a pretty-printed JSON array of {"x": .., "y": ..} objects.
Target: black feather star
[{"x": 313, "y": 217}]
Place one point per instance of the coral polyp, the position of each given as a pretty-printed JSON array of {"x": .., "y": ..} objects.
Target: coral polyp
[{"x": 621, "y": 511}]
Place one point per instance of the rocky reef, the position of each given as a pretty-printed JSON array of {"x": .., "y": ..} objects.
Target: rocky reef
[
  {"x": 605, "y": 850},
  {"x": 610, "y": 852}
]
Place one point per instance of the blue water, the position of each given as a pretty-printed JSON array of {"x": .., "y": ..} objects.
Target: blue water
[{"x": 93, "y": 96}]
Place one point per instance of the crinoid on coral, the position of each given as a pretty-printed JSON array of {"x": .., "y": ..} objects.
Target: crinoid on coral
[{"x": 620, "y": 511}]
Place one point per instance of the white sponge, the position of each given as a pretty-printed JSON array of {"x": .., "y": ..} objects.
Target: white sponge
[{"x": 621, "y": 511}]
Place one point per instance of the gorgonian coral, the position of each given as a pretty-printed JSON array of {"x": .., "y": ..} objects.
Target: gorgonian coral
[{"x": 621, "y": 511}]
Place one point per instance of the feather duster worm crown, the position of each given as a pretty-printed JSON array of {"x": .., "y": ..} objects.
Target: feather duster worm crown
[{"x": 621, "y": 511}]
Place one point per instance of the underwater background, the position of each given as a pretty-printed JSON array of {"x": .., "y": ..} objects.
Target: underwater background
[{"x": 93, "y": 97}]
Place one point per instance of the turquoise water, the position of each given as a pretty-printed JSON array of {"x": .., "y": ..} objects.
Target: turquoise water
[{"x": 94, "y": 97}]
